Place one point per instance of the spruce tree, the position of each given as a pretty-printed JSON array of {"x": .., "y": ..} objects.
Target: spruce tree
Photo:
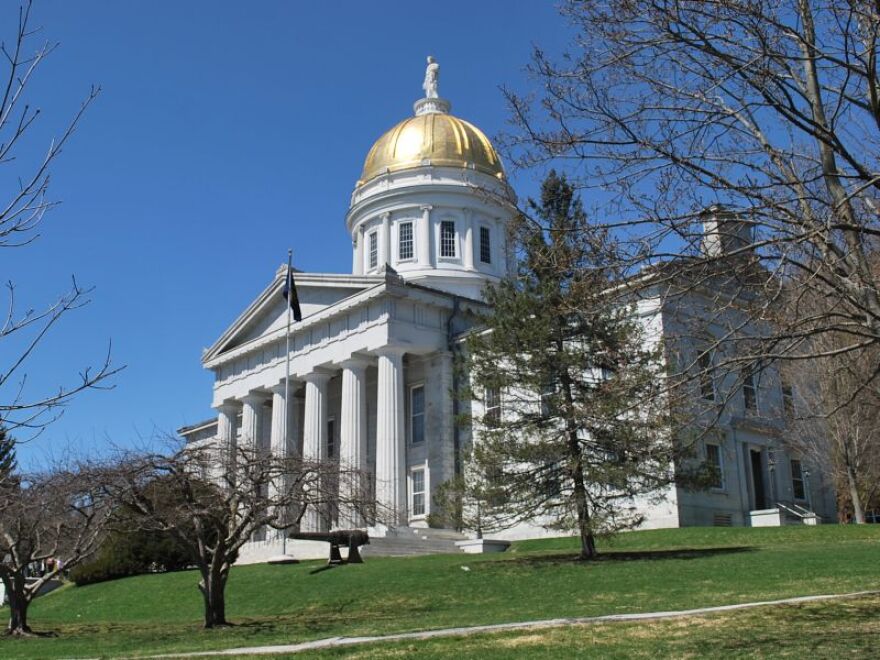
[
  {"x": 571, "y": 427},
  {"x": 8, "y": 462}
]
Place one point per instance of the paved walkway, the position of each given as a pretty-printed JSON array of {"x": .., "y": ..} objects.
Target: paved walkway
[{"x": 502, "y": 627}]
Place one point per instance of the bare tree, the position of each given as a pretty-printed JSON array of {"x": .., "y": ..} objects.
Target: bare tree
[
  {"x": 766, "y": 113},
  {"x": 216, "y": 510},
  {"x": 23, "y": 205},
  {"x": 49, "y": 522},
  {"x": 848, "y": 445}
]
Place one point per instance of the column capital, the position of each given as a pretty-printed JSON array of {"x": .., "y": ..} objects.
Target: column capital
[
  {"x": 426, "y": 207},
  {"x": 355, "y": 363},
  {"x": 317, "y": 377},
  {"x": 391, "y": 351},
  {"x": 254, "y": 398},
  {"x": 227, "y": 407},
  {"x": 385, "y": 215}
]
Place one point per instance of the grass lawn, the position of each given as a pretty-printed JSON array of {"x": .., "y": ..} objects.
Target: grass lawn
[
  {"x": 835, "y": 629},
  {"x": 640, "y": 571}
]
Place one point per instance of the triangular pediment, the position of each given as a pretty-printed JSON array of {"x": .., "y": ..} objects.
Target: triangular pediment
[{"x": 268, "y": 312}]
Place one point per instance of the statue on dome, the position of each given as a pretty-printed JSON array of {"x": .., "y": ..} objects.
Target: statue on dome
[{"x": 432, "y": 75}]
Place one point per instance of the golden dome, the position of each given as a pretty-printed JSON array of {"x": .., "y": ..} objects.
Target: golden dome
[{"x": 432, "y": 138}]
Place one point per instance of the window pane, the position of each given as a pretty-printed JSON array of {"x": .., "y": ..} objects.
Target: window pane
[
  {"x": 418, "y": 400},
  {"x": 485, "y": 246},
  {"x": 797, "y": 480},
  {"x": 447, "y": 238},
  {"x": 405, "y": 248},
  {"x": 331, "y": 438},
  {"x": 417, "y": 414},
  {"x": 713, "y": 462},
  {"x": 707, "y": 376},
  {"x": 418, "y": 492},
  {"x": 750, "y": 392},
  {"x": 374, "y": 250},
  {"x": 493, "y": 406}
]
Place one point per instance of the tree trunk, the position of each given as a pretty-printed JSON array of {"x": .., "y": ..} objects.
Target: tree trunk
[
  {"x": 585, "y": 532},
  {"x": 213, "y": 586},
  {"x": 858, "y": 511},
  {"x": 18, "y": 605}
]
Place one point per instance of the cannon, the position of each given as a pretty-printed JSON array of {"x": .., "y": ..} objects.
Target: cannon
[{"x": 353, "y": 538}]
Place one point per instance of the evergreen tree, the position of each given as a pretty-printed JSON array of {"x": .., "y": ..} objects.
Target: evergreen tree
[
  {"x": 8, "y": 462},
  {"x": 572, "y": 428}
]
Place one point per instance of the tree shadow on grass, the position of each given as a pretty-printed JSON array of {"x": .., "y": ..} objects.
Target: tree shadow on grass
[{"x": 640, "y": 555}]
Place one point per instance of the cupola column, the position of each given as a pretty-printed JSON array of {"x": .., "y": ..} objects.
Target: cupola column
[
  {"x": 357, "y": 257},
  {"x": 468, "y": 250},
  {"x": 386, "y": 239},
  {"x": 424, "y": 253}
]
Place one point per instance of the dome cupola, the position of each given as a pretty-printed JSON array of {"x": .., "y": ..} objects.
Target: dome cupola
[{"x": 433, "y": 201}]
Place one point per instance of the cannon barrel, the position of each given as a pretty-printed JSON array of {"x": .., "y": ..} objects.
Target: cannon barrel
[
  {"x": 337, "y": 536},
  {"x": 353, "y": 538}
]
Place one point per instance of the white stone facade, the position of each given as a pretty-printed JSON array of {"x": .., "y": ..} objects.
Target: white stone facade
[{"x": 371, "y": 366}]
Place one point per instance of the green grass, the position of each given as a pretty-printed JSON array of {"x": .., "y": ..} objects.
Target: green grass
[
  {"x": 810, "y": 630},
  {"x": 640, "y": 571}
]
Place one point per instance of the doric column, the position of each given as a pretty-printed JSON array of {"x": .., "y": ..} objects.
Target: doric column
[
  {"x": 315, "y": 437},
  {"x": 278, "y": 435},
  {"x": 226, "y": 414},
  {"x": 468, "y": 249},
  {"x": 386, "y": 239},
  {"x": 423, "y": 249},
  {"x": 252, "y": 420},
  {"x": 353, "y": 441},
  {"x": 390, "y": 450}
]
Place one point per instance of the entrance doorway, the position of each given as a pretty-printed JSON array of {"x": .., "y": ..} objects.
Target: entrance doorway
[{"x": 757, "y": 465}]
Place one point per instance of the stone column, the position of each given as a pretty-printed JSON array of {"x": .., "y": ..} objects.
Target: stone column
[
  {"x": 386, "y": 239},
  {"x": 358, "y": 266},
  {"x": 390, "y": 449},
  {"x": 252, "y": 420},
  {"x": 226, "y": 414},
  {"x": 423, "y": 249},
  {"x": 468, "y": 249},
  {"x": 278, "y": 435},
  {"x": 315, "y": 438},
  {"x": 353, "y": 440}
]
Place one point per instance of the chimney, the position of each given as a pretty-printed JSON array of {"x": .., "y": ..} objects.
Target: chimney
[{"x": 724, "y": 232}]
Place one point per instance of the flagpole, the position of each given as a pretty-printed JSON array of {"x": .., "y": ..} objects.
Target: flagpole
[{"x": 287, "y": 279}]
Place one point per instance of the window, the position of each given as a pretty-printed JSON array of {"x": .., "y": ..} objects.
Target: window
[
  {"x": 485, "y": 246},
  {"x": 788, "y": 401},
  {"x": 548, "y": 392},
  {"x": 492, "y": 404},
  {"x": 798, "y": 488},
  {"x": 417, "y": 413},
  {"x": 374, "y": 249},
  {"x": 447, "y": 238},
  {"x": 715, "y": 464},
  {"x": 405, "y": 241},
  {"x": 239, "y": 422},
  {"x": 707, "y": 376},
  {"x": 418, "y": 492},
  {"x": 750, "y": 389},
  {"x": 331, "y": 438}
]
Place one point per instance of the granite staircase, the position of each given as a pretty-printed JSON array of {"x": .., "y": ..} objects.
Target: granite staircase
[{"x": 412, "y": 541}]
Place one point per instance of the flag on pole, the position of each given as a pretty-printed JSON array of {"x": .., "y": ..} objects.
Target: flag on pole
[{"x": 289, "y": 293}]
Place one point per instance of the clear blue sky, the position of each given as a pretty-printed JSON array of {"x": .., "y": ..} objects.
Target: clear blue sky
[{"x": 225, "y": 132}]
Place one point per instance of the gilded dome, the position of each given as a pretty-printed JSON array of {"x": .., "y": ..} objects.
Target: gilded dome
[{"x": 432, "y": 138}]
